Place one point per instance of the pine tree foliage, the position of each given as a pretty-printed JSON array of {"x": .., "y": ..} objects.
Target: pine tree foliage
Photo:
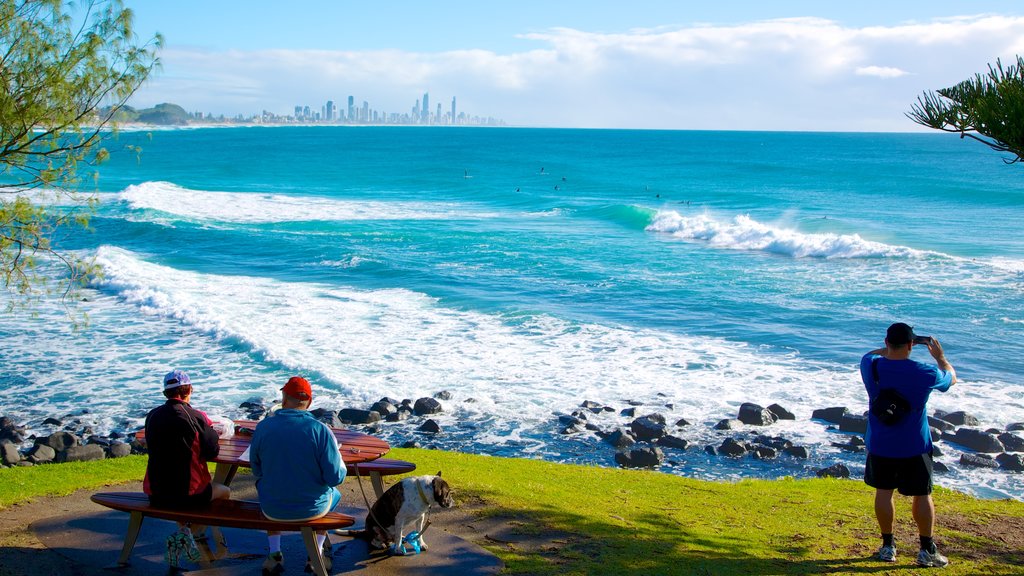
[
  {"x": 988, "y": 108},
  {"x": 65, "y": 70}
]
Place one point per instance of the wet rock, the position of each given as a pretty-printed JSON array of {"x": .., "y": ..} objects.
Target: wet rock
[
  {"x": 119, "y": 450},
  {"x": 102, "y": 441},
  {"x": 936, "y": 433},
  {"x": 443, "y": 395},
  {"x": 645, "y": 457},
  {"x": 777, "y": 442},
  {"x": 356, "y": 416},
  {"x": 936, "y": 451},
  {"x": 960, "y": 418},
  {"x": 798, "y": 452},
  {"x": 834, "y": 471},
  {"x": 833, "y": 415},
  {"x": 682, "y": 422},
  {"x": 385, "y": 409},
  {"x": 572, "y": 429},
  {"x": 9, "y": 454},
  {"x": 977, "y": 440},
  {"x": 411, "y": 444},
  {"x": 978, "y": 461},
  {"x": 567, "y": 420},
  {"x": 731, "y": 447},
  {"x": 995, "y": 431},
  {"x": 755, "y": 415},
  {"x": 430, "y": 427},
  {"x": 115, "y": 435},
  {"x": 850, "y": 447},
  {"x": 634, "y": 403},
  {"x": 628, "y": 412},
  {"x": 59, "y": 441},
  {"x": 425, "y": 406},
  {"x": 592, "y": 406},
  {"x": 86, "y": 453},
  {"x": 941, "y": 424},
  {"x": 854, "y": 423},
  {"x": 728, "y": 424},
  {"x": 52, "y": 422},
  {"x": 939, "y": 467},
  {"x": 41, "y": 454},
  {"x": 254, "y": 404},
  {"x": 765, "y": 453},
  {"x": 620, "y": 439},
  {"x": 647, "y": 428},
  {"x": 781, "y": 413},
  {"x": 1015, "y": 427},
  {"x": 711, "y": 450},
  {"x": 1011, "y": 462},
  {"x": 1011, "y": 442},
  {"x": 592, "y": 427},
  {"x": 673, "y": 442}
]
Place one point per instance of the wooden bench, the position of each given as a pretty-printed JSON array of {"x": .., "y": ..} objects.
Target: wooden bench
[
  {"x": 378, "y": 468},
  {"x": 225, "y": 513}
]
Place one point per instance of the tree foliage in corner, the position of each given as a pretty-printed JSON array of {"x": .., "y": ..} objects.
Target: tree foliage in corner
[
  {"x": 988, "y": 108},
  {"x": 65, "y": 70}
]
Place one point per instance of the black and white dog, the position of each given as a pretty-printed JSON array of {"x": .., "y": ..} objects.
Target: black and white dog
[{"x": 405, "y": 502}]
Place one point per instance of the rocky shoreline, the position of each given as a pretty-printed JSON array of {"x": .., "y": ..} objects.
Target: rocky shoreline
[{"x": 637, "y": 441}]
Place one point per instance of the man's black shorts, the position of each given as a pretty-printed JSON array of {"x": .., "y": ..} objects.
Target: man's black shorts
[
  {"x": 200, "y": 500},
  {"x": 911, "y": 476}
]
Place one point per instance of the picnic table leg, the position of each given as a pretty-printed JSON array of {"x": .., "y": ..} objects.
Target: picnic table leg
[
  {"x": 224, "y": 473},
  {"x": 378, "y": 483},
  {"x": 134, "y": 525},
  {"x": 313, "y": 551}
]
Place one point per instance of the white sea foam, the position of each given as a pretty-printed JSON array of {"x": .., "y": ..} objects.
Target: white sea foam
[
  {"x": 745, "y": 233},
  {"x": 253, "y": 207}
]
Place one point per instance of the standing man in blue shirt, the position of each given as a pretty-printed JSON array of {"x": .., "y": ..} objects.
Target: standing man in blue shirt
[
  {"x": 297, "y": 464},
  {"x": 899, "y": 440}
]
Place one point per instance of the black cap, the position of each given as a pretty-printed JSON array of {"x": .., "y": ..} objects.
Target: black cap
[{"x": 899, "y": 334}]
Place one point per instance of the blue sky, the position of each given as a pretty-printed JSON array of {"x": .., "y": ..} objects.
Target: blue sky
[{"x": 782, "y": 65}]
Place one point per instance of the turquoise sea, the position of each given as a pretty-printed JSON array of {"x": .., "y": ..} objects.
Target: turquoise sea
[{"x": 527, "y": 270}]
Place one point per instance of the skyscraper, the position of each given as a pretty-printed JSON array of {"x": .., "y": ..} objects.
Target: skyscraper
[
  {"x": 351, "y": 108},
  {"x": 453, "y": 110},
  {"x": 329, "y": 113},
  {"x": 426, "y": 108}
]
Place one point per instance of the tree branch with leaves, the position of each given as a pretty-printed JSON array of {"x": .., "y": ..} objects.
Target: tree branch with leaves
[
  {"x": 988, "y": 108},
  {"x": 65, "y": 71}
]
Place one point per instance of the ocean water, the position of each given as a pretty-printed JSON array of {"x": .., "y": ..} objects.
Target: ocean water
[{"x": 527, "y": 270}]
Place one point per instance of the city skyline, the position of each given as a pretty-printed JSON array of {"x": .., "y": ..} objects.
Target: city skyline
[{"x": 744, "y": 65}]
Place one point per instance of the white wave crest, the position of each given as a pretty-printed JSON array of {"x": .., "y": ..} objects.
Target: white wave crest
[
  {"x": 255, "y": 208},
  {"x": 745, "y": 233}
]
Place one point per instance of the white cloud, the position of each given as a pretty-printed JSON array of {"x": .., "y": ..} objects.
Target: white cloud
[
  {"x": 880, "y": 71},
  {"x": 796, "y": 73}
]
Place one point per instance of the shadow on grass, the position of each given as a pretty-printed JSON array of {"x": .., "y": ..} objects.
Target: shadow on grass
[{"x": 654, "y": 544}]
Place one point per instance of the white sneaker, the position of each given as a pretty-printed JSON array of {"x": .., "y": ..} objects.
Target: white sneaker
[
  {"x": 931, "y": 559},
  {"x": 887, "y": 553}
]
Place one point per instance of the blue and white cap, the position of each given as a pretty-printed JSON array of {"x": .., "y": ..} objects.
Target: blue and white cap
[{"x": 176, "y": 378}]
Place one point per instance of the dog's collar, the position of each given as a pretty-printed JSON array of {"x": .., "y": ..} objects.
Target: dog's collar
[{"x": 423, "y": 495}]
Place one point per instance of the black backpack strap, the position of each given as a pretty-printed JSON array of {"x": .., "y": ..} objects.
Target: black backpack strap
[{"x": 874, "y": 369}]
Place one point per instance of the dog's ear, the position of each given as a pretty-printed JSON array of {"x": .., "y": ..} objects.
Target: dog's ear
[{"x": 438, "y": 474}]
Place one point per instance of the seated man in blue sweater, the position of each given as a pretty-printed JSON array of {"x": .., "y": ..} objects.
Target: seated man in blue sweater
[{"x": 297, "y": 464}]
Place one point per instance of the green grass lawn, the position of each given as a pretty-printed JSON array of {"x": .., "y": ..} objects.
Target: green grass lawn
[{"x": 612, "y": 521}]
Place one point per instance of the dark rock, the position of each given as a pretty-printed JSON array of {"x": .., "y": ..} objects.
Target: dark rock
[
  {"x": 86, "y": 453},
  {"x": 834, "y": 471},
  {"x": 936, "y": 451},
  {"x": 105, "y": 442},
  {"x": 856, "y": 449},
  {"x": 798, "y": 452},
  {"x": 628, "y": 412},
  {"x": 755, "y": 415},
  {"x": 976, "y": 440},
  {"x": 592, "y": 427},
  {"x": 12, "y": 435},
  {"x": 1011, "y": 442},
  {"x": 42, "y": 453},
  {"x": 426, "y": 406},
  {"x": 939, "y": 467},
  {"x": 138, "y": 446},
  {"x": 252, "y": 405},
  {"x": 1015, "y": 426},
  {"x": 978, "y": 461},
  {"x": 59, "y": 441},
  {"x": 572, "y": 429},
  {"x": 329, "y": 417},
  {"x": 673, "y": 442},
  {"x": 6, "y": 422},
  {"x": 939, "y": 413},
  {"x": 776, "y": 442},
  {"x": 119, "y": 450},
  {"x": 356, "y": 416},
  {"x": 25, "y": 464},
  {"x": 385, "y": 409},
  {"x": 608, "y": 409},
  {"x": 645, "y": 457},
  {"x": 941, "y": 424},
  {"x": 1011, "y": 462},
  {"x": 9, "y": 454},
  {"x": 781, "y": 413},
  {"x": 995, "y": 431},
  {"x": 52, "y": 422},
  {"x": 620, "y": 439},
  {"x": 592, "y": 406},
  {"x": 567, "y": 420},
  {"x": 581, "y": 414},
  {"x": 728, "y": 424},
  {"x": 411, "y": 444},
  {"x": 443, "y": 395},
  {"x": 682, "y": 422},
  {"x": 765, "y": 453},
  {"x": 854, "y": 423},
  {"x": 857, "y": 441},
  {"x": 711, "y": 450},
  {"x": 730, "y": 447},
  {"x": 670, "y": 406},
  {"x": 374, "y": 428},
  {"x": 833, "y": 415},
  {"x": 634, "y": 403},
  {"x": 936, "y": 433},
  {"x": 115, "y": 435},
  {"x": 470, "y": 401},
  {"x": 650, "y": 427},
  {"x": 960, "y": 418},
  {"x": 430, "y": 427}
]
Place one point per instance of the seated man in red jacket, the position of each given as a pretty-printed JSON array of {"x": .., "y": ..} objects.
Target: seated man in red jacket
[{"x": 180, "y": 441}]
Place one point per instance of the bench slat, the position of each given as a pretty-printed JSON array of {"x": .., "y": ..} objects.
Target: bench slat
[
  {"x": 226, "y": 513},
  {"x": 382, "y": 466}
]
